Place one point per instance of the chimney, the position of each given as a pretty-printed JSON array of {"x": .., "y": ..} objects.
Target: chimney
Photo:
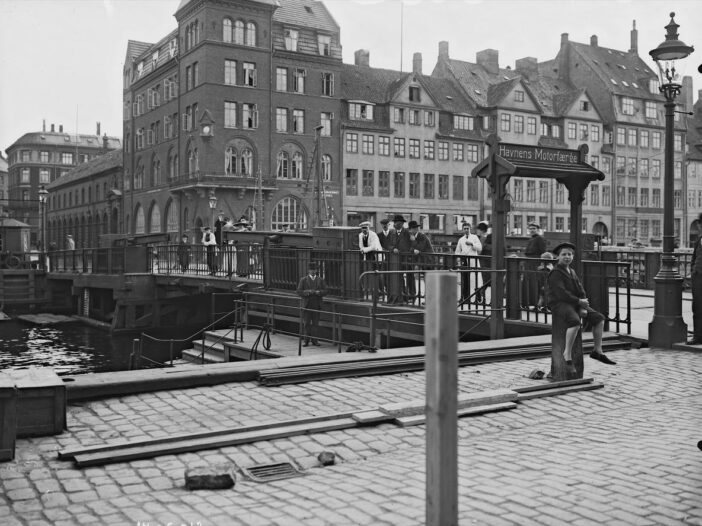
[
  {"x": 527, "y": 66},
  {"x": 97, "y": 128},
  {"x": 60, "y": 128},
  {"x": 488, "y": 58},
  {"x": 362, "y": 57},
  {"x": 564, "y": 39},
  {"x": 43, "y": 125},
  {"x": 52, "y": 128},
  {"x": 104, "y": 141},
  {"x": 634, "y": 40},
  {"x": 417, "y": 63},
  {"x": 443, "y": 50},
  {"x": 593, "y": 40}
]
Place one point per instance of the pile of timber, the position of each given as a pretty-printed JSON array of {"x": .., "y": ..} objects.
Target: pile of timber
[
  {"x": 380, "y": 365},
  {"x": 404, "y": 414}
]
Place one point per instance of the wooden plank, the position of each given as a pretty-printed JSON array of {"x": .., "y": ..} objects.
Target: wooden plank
[
  {"x": 413, "y": 420},
  {"x": 72, "y": 453},
  {"x": 560, "y": 391},
  {"x": 185, "y": 446},
  {"x": 552, "y": 385},
  {"x": 371, "y": 417}
]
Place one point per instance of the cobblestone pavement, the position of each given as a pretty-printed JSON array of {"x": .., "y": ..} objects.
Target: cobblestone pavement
[{"x": 625, "y": 454}]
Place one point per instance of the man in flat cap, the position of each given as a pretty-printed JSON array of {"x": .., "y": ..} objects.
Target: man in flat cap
[
  {"x": 368, "y": 242},
  {"x": 467, "y": 247},
  {"x": 311, "y": 289}
]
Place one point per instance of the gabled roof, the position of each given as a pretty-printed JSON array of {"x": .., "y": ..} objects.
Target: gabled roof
[
  {"x": 110, "y": 161},
  {"x": 369, "y": 84},
  {"x": 305, "y": 13},
  {"x": 135, "y": 49},
  {"x": 562, "y": 102},
  {"x": 476, "y": 80},
  {"x": 629, "y": 72},
  {"x": 71, "y": 140},
  {"x": 448, "y": 95}
]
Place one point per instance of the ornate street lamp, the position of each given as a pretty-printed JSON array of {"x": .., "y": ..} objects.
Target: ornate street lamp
[
  {"x": 43, "y": 193},
  {"x": 212, "y": 201},
  {"x": 667, "y": 326}
]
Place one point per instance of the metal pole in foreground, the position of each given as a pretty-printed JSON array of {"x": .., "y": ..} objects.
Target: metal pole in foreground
[{"x": 441, "y": 337}]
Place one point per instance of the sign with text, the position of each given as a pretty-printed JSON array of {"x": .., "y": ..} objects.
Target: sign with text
[{"x": 537, "y": 154}]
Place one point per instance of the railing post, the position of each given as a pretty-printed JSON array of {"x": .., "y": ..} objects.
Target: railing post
[
  {"x": 170, "y": 351},
  {"x": 513, "y": 289}
]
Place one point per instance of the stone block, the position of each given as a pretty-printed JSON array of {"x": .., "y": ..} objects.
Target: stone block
[{"x": 219, "y": 476}]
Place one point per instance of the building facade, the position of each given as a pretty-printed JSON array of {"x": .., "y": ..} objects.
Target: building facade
[
  {"x": 3, "y": 186},
  {"x": 234, "y": 112},
  {"x": 38, "y": 158}
]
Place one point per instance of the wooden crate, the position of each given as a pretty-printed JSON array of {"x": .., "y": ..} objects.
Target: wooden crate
[
  {"x": 8, "y": 417},
  {"x": 41, "y": 402}
]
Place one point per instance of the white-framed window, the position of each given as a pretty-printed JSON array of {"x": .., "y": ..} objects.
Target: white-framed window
[
  {"x": 351, "y": 142},
  {"x": 324, "y": 45},
  {"x": 299, "y": 75},
  {"x": 281, "y": 79},
  {"x": 632, "y": 136},
  {"x": 360, "y": 111},
  {"x": 463, "y": 122},
  {"x": 368, "y": 145},
  {"x": 414, "y": 117},
  {"x": 281, "y": 119},
  {"x": 518, "y": 95},
  {"x": 289, "y": 211},
  {"x": 399, "y": 146},
  {"x": 24, "y": 176},
  {"x": 325, "y": 119},
  {"x": 443, "y": 151},
  {"x": 250, "y": 34},
  {"x": 457, "y": 151},
  {"x": 572, "y": 130},
  {"x": 383, "y": 145},
  {"x": 44, "y": 176},
  {"x": 291, "y": 36},
  {"x": 328, "y": 84},
  {"x": 398, "y": 115},
  {"x": 531, "y": 126},
  {"x": 621, "y": 136},
  {"x": 643, "y": 138},
  {"x": 428, "y": 149},
  {"x": 518, "y": 124},
  {"x": 66, "y": 157},
  {"x": 583, "y": 132},
  {"x": 595, "y": 133},
  {"x": 677, "y": 142},
  {"x": 230, "y": 72},
  {"x": 429, "y": 118},
  {"x": 230, "y": 158},
  {"x": 298, "y": 122},
  {"x": 250, "y": 76},
  {"x": 326, "y": 167},
  {"x": 246, "y": 163},
  {"x": 505, "y": 122},
  {"x": 249, "y": 116},
  {"x": 656, "y": 139},
  {"x": 296, "y": 166},
  {"x": 651, "y": 112},
  {"x": 238, "y": 32},
  {"x": 627, "y": 106},
  {"x": 472, "y": 153},
  {"x": 414, "y": 147},
  {"x": 227, "y": 30}
]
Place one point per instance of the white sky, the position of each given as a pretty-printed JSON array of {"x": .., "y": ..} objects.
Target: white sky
[{"x": 61, "y": 60}]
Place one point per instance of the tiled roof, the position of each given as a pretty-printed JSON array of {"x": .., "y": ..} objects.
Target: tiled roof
[
  {"x": 476, "y": 80},
  {"x": 306, "y": 13},
  {"x": 109, "y": 161},
  {"x": 629, "y": 72},
  {"x": 65, "y": 139},
  {"x": 183, "y": 3},
  {"x": 448, "y": 95},
  {"x": 564, "y": 100},
  {"x": 369, "y": 84},
  {"x": 498, "y": 91},
  {"x": 135, "y": 49}
]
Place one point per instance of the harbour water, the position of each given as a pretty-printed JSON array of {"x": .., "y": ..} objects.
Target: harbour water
[{"x": 68, "y": 348}]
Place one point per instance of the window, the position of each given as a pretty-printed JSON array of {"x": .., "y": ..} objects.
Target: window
[
  {"x": 655, "y": 167},
  {"x": 24, "y": 176},
  {"x": 368, "y": 183},
  {"x": 398, "y": 115},
  {"x": 607, "y": 165},
  {"x": 428, "y": 186},
  {"x": 428, "y": 149},
  {"x": 505, "y": 122},
  {"x": 383, "y": 145},
  {"x": 414, "y": 117},
  {"x": 351, "y": 142},
  {"x": 328, "y": 84},
  {"x": 66, "y": 158},
  {"x": 621, "y": 196},
  {"x": 250, "y": 34},
  {"x": 643, "y": 201},
  {"x": 519, "y": 124},
  {"x": 463, "y": 122},
  {"x": 572, "y": 130},
  {"x": 414, "y": 186},
  {"x": 643, "y": 168},
  {"x": 656, "y": 197},
  {"x": 677, "y": 169},
  {"x": 531, "y": 126},
  {"x": 296, "y": 166},
  {"x": 443, "y": 186},
  {"x": 643, "y": 138},
  {"x": 399, "y": 184},
  {"x": 428, "y": 118},
  {"x": 230, "y": 72},
  {"x": 556, "y": 131},
  {"x": 621, "y": 136},
  {"x": 443, "y": 151},
  {"x": 627, "y": 106},
  {"x": 250, "y": 74},
  {"x": 44, "y": 157},
  {"x": 677, "y": 142},
  {"x": 283, "y": 171},
  {"x": 631, "y": 167},
  {"x": 249, "y": 116},
  {"x": 543, "y": 192},
  {"x": 472, "y": 189},
  {"x": 656, "y": 139},
  {"x": 518, "y": 190},
  {"x": 651, "y": 112},
  {"x": 281, "y": 79},
  {"x": 325, "y": 120},
  {"x": 414, "y": 148},
  {"x": 230, "y": 159},
  {"x": 360, "y": 111},
  {"x": 594, "y": 195},
  {"x": 531, "y": 191},
  {"x": 289, "y": 211},
  {"x": 298, "y": 121},
  {"x": 560, "y": 193},
  {"x": 351, "y": 181},
  {"x": 595, "y": 161},
  {"x": 472, "y": 153},
  {"x": 595, "y": 133},
  {"x": 631, "y": 193},
  {"x": 677, "y": 198},
  {"x": 383, "y": 184},
  {"x": 458, "y": 188},
  {"x": 291, "y": 39},
  {"x": 368, "y": 144},
  {"x": 299, "y": 80},
  {"x": 631, "y": 136},
  {"x": 583, "y": 132},
  {"x": 399, "y": 145},
  {"x": 227, "y": 30},
  {"x": 414, "y": 94},
  {"x": 584, "y": 105},
  {"x": 43, "y": 176},
  {"x": 230, "y": 114},
  {"x": 324, "y": 45},
  {"x": 518, "y": 95},
  {"x": 457, "y": 149},
  {"x": 281, "y": 119},
  {"x": 327, "y": 167}
]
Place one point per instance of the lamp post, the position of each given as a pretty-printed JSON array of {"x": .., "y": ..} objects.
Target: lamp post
[
  {"x": 42, "y": 193},
  {"x": 667, "y": 326},
  {"x": 212, "y": 201}
]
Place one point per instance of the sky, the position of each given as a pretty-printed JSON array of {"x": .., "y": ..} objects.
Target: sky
[{"x": 61, "y": 60}]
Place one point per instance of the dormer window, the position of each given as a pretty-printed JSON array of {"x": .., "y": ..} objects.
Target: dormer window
[
  {"x": 414, "y": 94},
  {"x": 154, "y": 59},
  {"x": 140, "y": 69},
  {"x": 360, "y": 111},
  {"x": 463, "y": 122},
  {"x": 172, "y": 47},
  {"x": 584, "y": 105},
  {"x": 518, "y": 95},
  {"x": 627, "y": 106},
  {"x": 654, "y": 86},
  {"x": 291, "y": 39},
  {"x": 324, "y": 44}
]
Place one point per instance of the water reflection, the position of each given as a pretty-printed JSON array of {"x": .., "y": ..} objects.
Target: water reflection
[{"x": 70, "y": 348}]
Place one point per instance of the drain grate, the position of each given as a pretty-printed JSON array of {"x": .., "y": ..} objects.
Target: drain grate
[{"x": 268, "y": 472}]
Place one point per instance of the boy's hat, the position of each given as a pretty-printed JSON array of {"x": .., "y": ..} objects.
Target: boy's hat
[{"x": 560, "y": 247}]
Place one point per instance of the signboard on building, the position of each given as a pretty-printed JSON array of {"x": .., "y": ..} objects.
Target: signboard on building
[{"x": 538, "y": 154}]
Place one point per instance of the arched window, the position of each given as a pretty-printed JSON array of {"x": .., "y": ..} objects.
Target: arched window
[
  {"x": 296, "y": 166},
  {"x": 247, "y": 162},
  {"x": 139, "y": 220},
  {"x": 250, "y": 34},
  {"x": 138, "y": 176},
  {"x": 171, "y": 166},
  {"x": 155, "y": 171},
  {"x": 283, "y": 165},
  {"x": 326, "y": 167},
  {"x": 238, "y": 32},
  {"x": 289, "y": 211},
  {"x": 227, "y": 30},
  {"x": 230, "y": 161},
  {"x": 196, "y": 33},
  {"x": 155, "y": 220},
  {"x": 172, "y": 217}
]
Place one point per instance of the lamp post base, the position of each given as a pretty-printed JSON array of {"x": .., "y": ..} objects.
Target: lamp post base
[{"x": 667, "y": 326}]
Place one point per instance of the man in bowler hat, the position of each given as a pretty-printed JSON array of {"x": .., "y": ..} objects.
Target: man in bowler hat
[
  {"x": 311, "y": 289},
  {"x": 402, "y": 248}
]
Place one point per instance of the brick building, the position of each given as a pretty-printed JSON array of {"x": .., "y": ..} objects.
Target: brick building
[{"x": 3, "y": 185}]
